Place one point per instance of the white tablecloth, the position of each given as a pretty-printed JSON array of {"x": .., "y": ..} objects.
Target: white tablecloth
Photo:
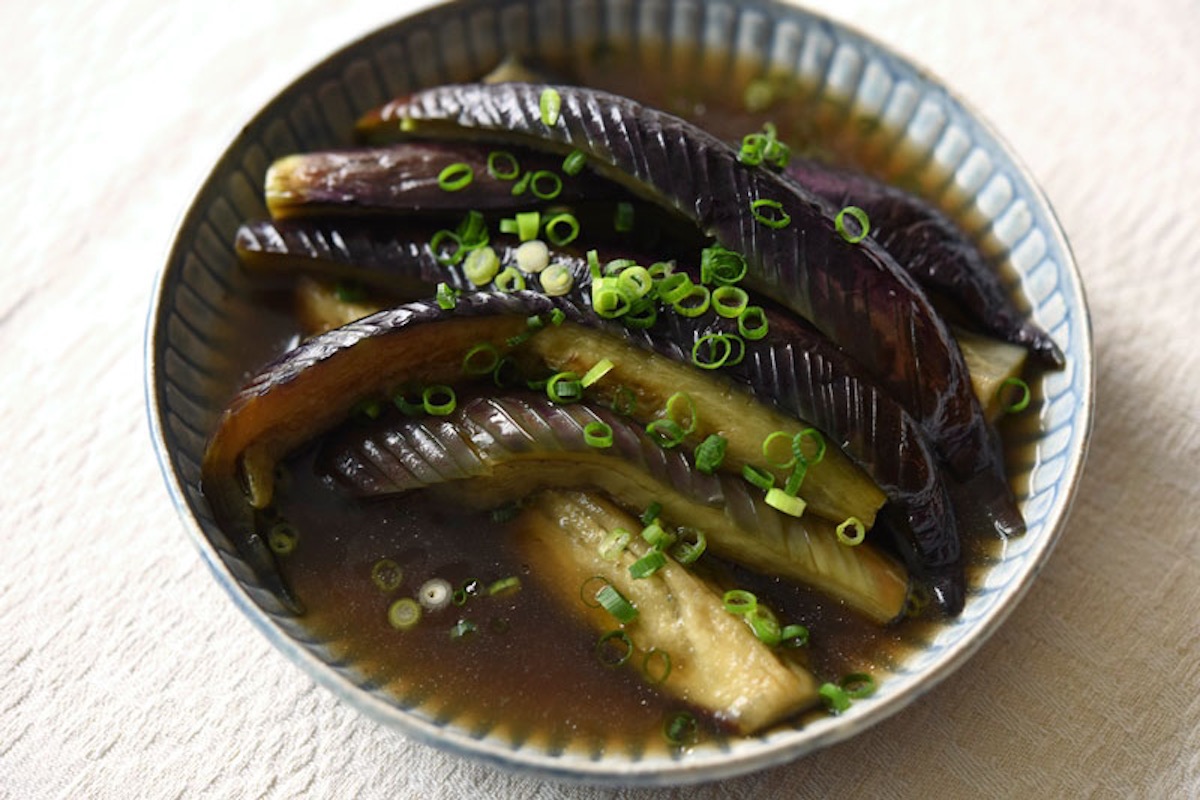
[{"x": 126, "y": 672}]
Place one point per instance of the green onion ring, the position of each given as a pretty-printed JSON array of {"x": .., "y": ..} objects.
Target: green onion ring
[
  {"x": 574, "y": 163},
  {"x": 780, "y": 500},
  {"x": 624, "y": 401},
  {"x": 654, "y": 676},
  {"x": 798, "y": 446},
  {"x": 510, "y": 280},
  {"x": 651, "y": 512},
  {"x": 858, "y": 685},
  {"x": 404, "y": 614},
  {"x": 729, "y": 301},
  {"x": 614, "y": 543},
  {"x": 694, "y": 303},
  {"x": 1022, "y": 403},
  {"x": 739, "y": 601},
  {"x": 623, "y": 217},
  {"x": 550, "y": 106},
  {"x": 387, "y": 575},
  {"x": 687, "y": 552},
  {"x": 598, "y": 434},
  {"x": 778, "y": 218},
  {"x": 615, "y": 604},
  {"x": 835, "y": 697},
  {"x": 770, "y": 440},
  {"x": 752, "y": 323},
  {"x": 717, "y": 356},
  {"x": 542, "y": 192},
  {"x": 462, "y": 628},
  {"x": 282, "y": 538},
  {"x": 647, "y": 565},
  {"x": 556, "y": 281},
  {"x": 598, "y": 371},
  {"x": 528, "y": 223},
  {"x": 446, "y": 258},
  {"x": 710, "y": 453},
  {"x": 481, "y": 359},
  {"x": 558, "y": 220},
  {"x": 666, "y": 433},
  {"x": 587, "y": 595},
  {"x": 455, "y": 177},
  {"x": 622, "y": 656},
  {"x": 564, "y": 387},
  {"x": 860, "y": 216},
  {"x": 657, "y": 537},
  {"x": 447, "y": 296},
  {"x": 686, "y": 417},
  {"x": 439, "y": 400},
  {"x": 764, "y": 624},
  {"x": 759, "y": 477},
  {"x": 494, "y": 170},
  {"x": 674, "y": 286},
  {"x": 793, "y": 636},
  {"x": 681, "y": 729},
  {"x": 854, "y": 539}
]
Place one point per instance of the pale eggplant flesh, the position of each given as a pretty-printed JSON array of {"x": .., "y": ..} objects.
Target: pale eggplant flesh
[{"x": 855, "y": 293}]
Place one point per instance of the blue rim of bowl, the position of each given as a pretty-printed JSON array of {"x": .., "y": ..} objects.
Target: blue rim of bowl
[{"x": 984, "y": 612}]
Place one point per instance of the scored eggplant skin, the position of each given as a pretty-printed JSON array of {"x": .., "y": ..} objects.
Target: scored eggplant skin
[
  {"x": 404, "y": 178},
  {"x": 854, "y": 293},
  {"x": 496, "y": 450},
  {"x": 928, "y": 244},
  {"x": 717, "y": 663}
]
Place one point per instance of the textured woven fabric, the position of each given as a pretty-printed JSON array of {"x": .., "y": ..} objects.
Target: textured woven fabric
[{"x": 125, "y": 671}]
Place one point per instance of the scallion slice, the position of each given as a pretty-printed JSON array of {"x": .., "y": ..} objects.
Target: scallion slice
[
  {"x": 480, "y": 359},
  {"x": 562, "y": 229},
  {"x": 721, "y": 266},
  {"x": 614, "y": 648},
  {"x": 557, "y": 280},
  {"x": 503, "y": 165},
  {"x": 665, "y": 432},
  {"x": 456, "y": 177},
  {"x": 681, "y": 409},
  {"x": 1023, "y": 398},
  {"x": 510, "y": 280},
  {"x": 657, "y": 537},
  {"x": 528, "y": 223},
  {"x": 647, "y": 565},
  {"x": 574, "y": 163},
  {"x": 795, "y": 478},
  {"x": 710, "y": 453},
  {"x": 690, "y": 546},
  {"x": 598, "y": 434},
  {"x": 858, "y": 685},
  {"x": 835, "y": 697},
  {"x": 651, "y": 512},
  {"x": 739, "y": 601},
  {"x": 656, "y": 665},
  {"x": 694, "y": 303},
  {"x": 387, "y": 575},
  {"x": 759, "y": 477},
  {"x": 614, "y": 543},
  {"x": 481, "y": 266},
  {"x": 752, "y": 323},
  {"x": 439, "y": 400},
  {"x": 860, "y": 217},
  {"x": 818, "y": 446},
  {"x": 598, "y": 371},
  {"x": 564, "y": 387},
  {"x": 674, "y": 287},
  {"x": 729, "y": 301},
  {"x": 446, "y": 296},
  {"x": 711, "y": 351},
  {"x": 504, "y": 586},
  {"x": 550, "y": 106},
  {"x": 770, "y": 213},
  {"x": 410, "y": 408},
  {"x": 446, "y": 256},
  {"x": 434, "y": 594},
  {"x": 681, "y": 729},
  {"x": 623, "y": 218},
  {"x": 775, "y": 443},
  {"x": 462, "y": 629},
  {"x": 764, "y": 624},
  {"x": 404, "y": 614},
  {"x": 281, "y": 538},
  {"x": 590, "y": 588},
  {"x": 545, "y": 185},
  {"x": 782, "y": 501},
  {"x": 624, "y": 401},
  {"x": 793, "y": 636},
  {"x": 851, "y": 539},
  {"x": 533, "y": 256},
  {"x": 615, "y": 604}
]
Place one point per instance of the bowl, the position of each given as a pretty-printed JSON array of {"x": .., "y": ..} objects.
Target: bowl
[{"x": 863, "y": 104}]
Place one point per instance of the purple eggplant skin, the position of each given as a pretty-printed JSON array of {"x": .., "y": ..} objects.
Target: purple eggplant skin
[
  {"x": 928, "y": 244},
  {"x": 794, "y": 367},
  {"x": 405, "y": 178},
  {"x": 854, "y": 293}
]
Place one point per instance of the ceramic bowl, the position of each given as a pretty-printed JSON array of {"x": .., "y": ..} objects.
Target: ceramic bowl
[{"x": 878, "y": 106}]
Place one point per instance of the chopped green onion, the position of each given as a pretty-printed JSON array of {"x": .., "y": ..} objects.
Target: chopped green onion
[
  {"x": 472, "y": 231},
  {"x": 764, "y": 624},
  {"x": 681, "y": 730},
  {"x": 557, "y": 316},
  {"x": 593, "y": 262},
  {"x": 574, "y": 163},
  {"x": 651, "y": 513},
  {"x": 681, "y": 409},
  {"x": 587, "y": 594},
  {"x": 782, "y": 501},
  {"x": 658, "y": 538},
  {"x": 665, "y": 432},
  {"x": 752, "y": 323},
  {"x": 614, "y": 543},
  {"x": 711, "y": 453},
  {"x": 858, "y": 685},
  {"x": 434, "y": 594},
  {"x": 835, "y": 697},
  {"x": 813, "y": 435},
  {"x": 440, "y": 253},
  {"x": 718, "y": 351},
  {"x": 447, "y": 296},
  {"x": 564, "y": 387},
  {"x": 736, "y": 344},
  {"x": 462, "y": 628},
  {"x": 439, "y": 400},
  {"x": 371, "y": 409},
  {"x": 557, "y": 280},
  {"x": 793, "y": 636},
  {"x": 387, "y": 575},
  {"x": 550, "y": 106},
  {"x": 721, "y": 266},
  {"x": 1022, "y": 401},
  {"x": 773, "y": 216},
  {"x": 410, "y": 408},
  {"x": 281, "y": 538},
  {"x": 624, "y": 401},
  {"x": 768, "y": 448},
  {"x": 691, "y": 545},
  {"x": 404, "y": 614},
  {"x": 694, "y": 303},
  {"x": 916, "y": 601},
  {"x": 647, "y": 565},
  {"x": 607, "y": 299},
  {"x": 528, "y": 223},
  {"x": 480, "y": 359},
  {"x": 623, "y": 218},
  {"x": 759, "y": 477},
  {"x": 860, "y": 216},
  {"x": 598, "y": 371},
  {"x": 674, "y": 287},
  {"x": 481, "y": 266},
  {"x": 635, "y": 282},
  {"x": 659, "y": 270},
  {"x": 408, "y": 124},
  {"x": 511, "y": 167},
  {"x": 854, "y": 539},
  {"x": 656, "y": 665},
  {"x": 456, "y": 176},
  {"x": 614, "y": 648},
  {"x": 751, "y": 151},
  {"x": 615, "y": 604},
  {"x": 729, "y": 301},
  {"x": 545, "y": 185},
  {"x": 504, "y": 586},
  {"x": 510, "y": 280},
  {"x": 795, "y": 478},
  {"x": 739, "y": 601},
  {"x": 642, "y": 314},
  {"x": 559, "y": 237},
  {"x": 520, "y": 186},
  {"x": 533, "y": 256},
  {"x": 349, "y": 292},
  {"x": 598, "y": 434}
]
